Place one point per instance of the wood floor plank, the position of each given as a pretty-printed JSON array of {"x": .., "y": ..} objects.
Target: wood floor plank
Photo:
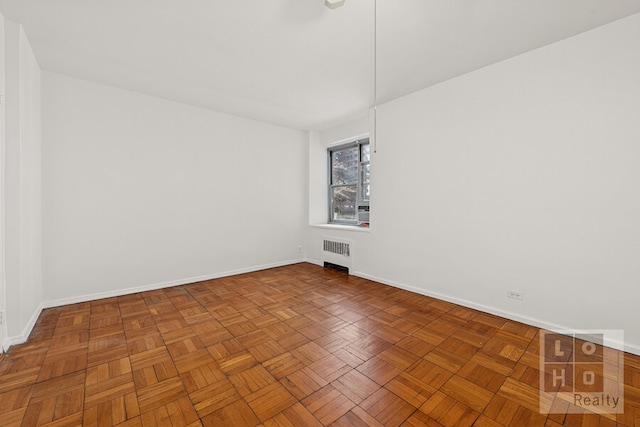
[
  {"x": 466, "y": 392},
  {"x": 19, "y": 379},
  {"x": 355, "y": 386},
  {"x": 291, "y": 346},
  {"x": 412, "y": 390},
  {"x": 237, "y": 413},
  {"x": 294, "y": 416},
  {"x": 270, "y": 401},
  {"x": 328, "y": 404},
  {"x": 387, "y": 408},
  {"x": 303, "y": 382}
]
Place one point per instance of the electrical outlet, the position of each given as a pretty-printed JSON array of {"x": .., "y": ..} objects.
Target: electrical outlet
[
  {"x": 515, "y": 294},
  {"x": 299, "y": 249},
  {"x": 3, "y": 316}
]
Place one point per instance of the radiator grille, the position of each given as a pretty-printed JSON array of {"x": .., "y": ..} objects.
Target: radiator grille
[{"x": 340, "y": 248}]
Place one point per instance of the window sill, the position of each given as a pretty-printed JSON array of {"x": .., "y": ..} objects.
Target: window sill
[{"x": 343, "y": 227}]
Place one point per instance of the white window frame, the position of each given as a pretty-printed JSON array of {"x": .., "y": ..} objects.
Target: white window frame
[{"x": 362, "y": 204}]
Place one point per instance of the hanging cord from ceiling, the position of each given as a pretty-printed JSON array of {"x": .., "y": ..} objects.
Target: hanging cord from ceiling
[
  {"x": 375, "y": 76},
  {"x": 333, "y": 4}
]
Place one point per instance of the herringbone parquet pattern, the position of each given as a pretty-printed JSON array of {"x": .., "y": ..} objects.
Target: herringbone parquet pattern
[{"x": 290, "y": 346}]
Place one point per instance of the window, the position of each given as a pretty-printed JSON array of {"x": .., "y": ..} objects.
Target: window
[{"x": 349, "y": 187}]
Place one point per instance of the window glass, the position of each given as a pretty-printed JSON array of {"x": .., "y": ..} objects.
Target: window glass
[
  {"x": 345, "y": 166},
  {"x": 364, "y": 180},
  {"x": 344, "y": 203},
  {"x": 366, "y": 154}
]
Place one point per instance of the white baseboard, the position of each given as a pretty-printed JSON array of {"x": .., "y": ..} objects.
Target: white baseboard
[
  {"x": 155, "y": 286},
  {"x": 22, "y": 338},
  {"x": 314, "y": 261},
  {"x": 622, "y": 346},
  {"x": 26, "y": 331}
]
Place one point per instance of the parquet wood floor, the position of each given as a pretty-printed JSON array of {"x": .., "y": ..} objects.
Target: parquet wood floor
[{"x": 291, "y": 346}]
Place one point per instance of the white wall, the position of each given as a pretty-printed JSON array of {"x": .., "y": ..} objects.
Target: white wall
[
  {"x": 3, "y": 293},
  {"x": 22, "y": 184},
  {"x": 141, "y": 192},
  {"x": 523, "y": 175}
]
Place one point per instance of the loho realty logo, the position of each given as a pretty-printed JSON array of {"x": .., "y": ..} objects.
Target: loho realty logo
[{"x": 579, "y": 371}]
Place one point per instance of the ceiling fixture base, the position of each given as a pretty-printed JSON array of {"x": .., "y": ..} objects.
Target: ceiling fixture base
[{"x": 332, "y": 4}]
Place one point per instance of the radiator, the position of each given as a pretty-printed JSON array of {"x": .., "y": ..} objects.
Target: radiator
[{"x": 336, "y": 252}]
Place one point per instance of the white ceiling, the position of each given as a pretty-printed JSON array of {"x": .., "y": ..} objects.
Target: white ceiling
[{"x": 294, "y": 63}]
